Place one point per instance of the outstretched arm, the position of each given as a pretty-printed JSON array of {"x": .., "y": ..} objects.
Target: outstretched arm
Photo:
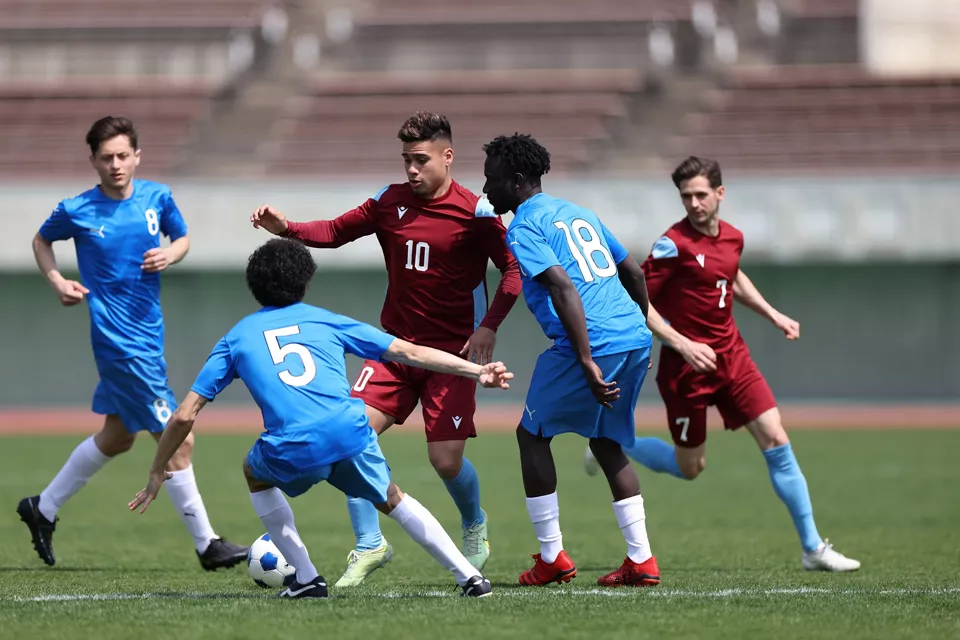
[
  {"x": 492, "y": 375},
  {"x": 321, "y": 234},
  {"x": 746, "y": 293}
]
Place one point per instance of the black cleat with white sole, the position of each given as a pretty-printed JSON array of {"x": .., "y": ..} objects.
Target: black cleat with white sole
[
  {"x": 316, "y": 588},
  {"x": 476, "y": 587},
  {"x": 222, "y": 555},
  {"x": 41, "y": 529}
]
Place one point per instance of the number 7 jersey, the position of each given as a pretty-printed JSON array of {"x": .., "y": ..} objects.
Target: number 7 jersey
[
  {"x": 690, "y": 282},
  {"x": 548, "y": 232}
]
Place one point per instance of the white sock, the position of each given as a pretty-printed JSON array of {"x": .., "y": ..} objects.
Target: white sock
[
  {"x": 633, "y": 524},
  {"x": 277, "y": 517},
  {"x": 420, "y": 525},
  {"x": 545, "y": 515},
  {"x": 183, "y": 492},
  {"x": 85, "y": 461}
]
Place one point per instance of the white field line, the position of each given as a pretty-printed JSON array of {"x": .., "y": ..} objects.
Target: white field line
[{"x": 659, "y": 594}]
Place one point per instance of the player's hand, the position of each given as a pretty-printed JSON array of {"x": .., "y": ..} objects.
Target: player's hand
[
  {"x": 70, "y": 292},
  {"x": 494, "y": 375},
  {"x": 149, "y": 494},
  {"x": 605, "y": 392},
  {"x": 155, "y": 260},
  {"x": 699, "y": 356},
  {"x": 266, "y": 217},
  {"x": 479, "y": 348},
  {"x": 789, "y": 326}
]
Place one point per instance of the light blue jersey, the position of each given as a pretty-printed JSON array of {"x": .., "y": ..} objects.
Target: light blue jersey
[
  {"x": 111, "y": 237},
  {"x": 292, "y": 361},
  {"x": 548, "y": 232}
]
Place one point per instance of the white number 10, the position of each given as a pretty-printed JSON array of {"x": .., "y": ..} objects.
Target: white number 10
[
  {"x": 722, "y": 285},
  {"x": 279, "y": 354}
]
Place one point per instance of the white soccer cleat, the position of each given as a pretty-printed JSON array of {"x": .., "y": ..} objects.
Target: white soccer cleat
[
  {"x": 590, "y": 464},
  {"x": 824, "y": 558}
]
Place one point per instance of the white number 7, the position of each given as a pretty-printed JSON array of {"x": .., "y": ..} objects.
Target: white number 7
[
  {"x": 685, "y": 424},
  {"x": 279, "y": 354},
  {"x": 722, "y": 285}
]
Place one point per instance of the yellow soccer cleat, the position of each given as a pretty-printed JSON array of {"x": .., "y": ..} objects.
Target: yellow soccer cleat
[{"x": 361, "y": 564}]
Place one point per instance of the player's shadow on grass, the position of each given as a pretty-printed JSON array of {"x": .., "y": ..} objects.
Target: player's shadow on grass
[{"x": 54, "y": 570}]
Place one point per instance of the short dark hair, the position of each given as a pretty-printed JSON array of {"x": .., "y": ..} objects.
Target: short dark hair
[
  {"x": 110, "y": 127},
  {"x": 693, "y": 167},
  {"x": 520, "y": 153},
  {"x": 424, "y": 126},
  {"x": 279, "y": 271}
]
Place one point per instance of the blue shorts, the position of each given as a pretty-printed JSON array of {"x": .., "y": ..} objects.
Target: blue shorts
[
  {"x": 560, "y": 401},
  {"x": 137, "y": 390},
  {"x": 366, "y": 475}
]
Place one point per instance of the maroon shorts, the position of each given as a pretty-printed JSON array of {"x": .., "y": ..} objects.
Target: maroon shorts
[
  {"x": 448, "y": 401},
  {"x": 737, "y": 389}
]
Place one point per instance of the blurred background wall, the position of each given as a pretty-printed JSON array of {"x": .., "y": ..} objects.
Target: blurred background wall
[{"x": 837, "y": 124}]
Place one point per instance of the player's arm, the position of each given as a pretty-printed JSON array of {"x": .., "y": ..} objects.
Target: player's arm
[
  {"x": 745, "y": 292},
  {"x": 173, "y": 227},
  {"x": 491, "y": 375},
  {"x": 58, "y": 226},
  {"x": 321, "y": 234},
  {"x": 700, "y": 356},
  {"x": 493, "y": 239},
  {"x": 569, "y": 307}
]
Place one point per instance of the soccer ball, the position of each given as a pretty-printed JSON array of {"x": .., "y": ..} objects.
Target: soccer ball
[{"x": 267, "y": 566}]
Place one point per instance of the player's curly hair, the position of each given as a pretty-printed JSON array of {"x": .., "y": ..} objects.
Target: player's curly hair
[
  {"x": 279, "y": 271},
  {"x": 520, "y": 153}
]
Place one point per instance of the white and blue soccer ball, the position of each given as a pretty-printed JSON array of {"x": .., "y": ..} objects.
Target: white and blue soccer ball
[{"x": 267, "y": 566}]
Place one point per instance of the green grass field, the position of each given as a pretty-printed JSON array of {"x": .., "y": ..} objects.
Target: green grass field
[{"x": 729, "y": 556}]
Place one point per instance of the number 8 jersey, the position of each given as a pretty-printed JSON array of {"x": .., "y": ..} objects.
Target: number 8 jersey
[
  {"x": 690, "y": 282},
  {"x": 111, "y": 237},
  {"x": 548, "y": 232}
]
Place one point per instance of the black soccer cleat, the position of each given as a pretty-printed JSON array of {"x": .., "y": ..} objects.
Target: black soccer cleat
[
  {"x": 476, "y": 587},
  {"x": 316, "y": 588},
  {"x": 222, "y": 555},
  {"x": 41, "y": 529}
]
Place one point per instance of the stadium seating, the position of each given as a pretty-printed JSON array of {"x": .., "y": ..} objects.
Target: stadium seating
[
  {"x": 128, "y": 14},
  {"x": 823, "y": 118},
  {"x": 349, "y": 123}
]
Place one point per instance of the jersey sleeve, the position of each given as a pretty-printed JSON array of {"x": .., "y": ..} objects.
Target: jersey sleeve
[
  {"x": 362, "y": 340},
  {"x": 171, "y": 221},
  {"x": 493, "y": 239},
  {"x": 59, "y": 226},
  {"x": 617, "y": 251},
  {"x": 330, "y": 234},
  {"x": 659, "y": 265},
  {"x": 531, "y": 249},
  {"x": 218, "y": 372}
]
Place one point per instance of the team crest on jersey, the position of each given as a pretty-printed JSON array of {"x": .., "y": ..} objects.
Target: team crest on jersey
[{"x": 701, "y": 258}]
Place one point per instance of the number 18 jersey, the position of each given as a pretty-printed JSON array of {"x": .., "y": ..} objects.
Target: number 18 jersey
[{"x": 548, "y": 232}]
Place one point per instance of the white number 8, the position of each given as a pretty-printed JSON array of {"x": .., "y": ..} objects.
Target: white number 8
[
  {"x": 162, "y": 409},
  {"x": 588, "y": 266},
  {"x": 153, "y": 223}
]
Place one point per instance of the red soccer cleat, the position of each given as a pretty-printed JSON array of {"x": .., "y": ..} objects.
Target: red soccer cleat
[
  {"x": 631, "y": 574},
  {"x": 561, "y": 570}
]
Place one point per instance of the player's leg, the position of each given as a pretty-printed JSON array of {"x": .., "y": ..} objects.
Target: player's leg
[
  {"x": 367, "y": 475},
  {"x": 277, "y": 518},
  {"x": 39, "y": 513},
  {"x": 449, "y": 404},
  {"x": 749, "y": 401},
  {"x": 390, "y": 398},
  {"x": 615, "y": 427}
]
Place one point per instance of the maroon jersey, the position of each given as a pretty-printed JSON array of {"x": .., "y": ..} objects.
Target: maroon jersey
[
  {"x": 436, "y": 254},
  {"x": 690, "y": 281}
]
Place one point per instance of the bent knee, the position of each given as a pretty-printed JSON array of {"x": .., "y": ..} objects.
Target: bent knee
[
  {"x": 446, "y": 460},
  {"x": 112, "y": 444},
  {"x": 691, "y": 466}
]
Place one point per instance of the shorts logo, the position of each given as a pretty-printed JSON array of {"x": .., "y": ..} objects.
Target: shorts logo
[
  {"x": 456, "y": 421},
  {"x": 529, "y": 412}
]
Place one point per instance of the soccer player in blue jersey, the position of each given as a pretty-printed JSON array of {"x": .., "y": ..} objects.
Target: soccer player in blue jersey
[
  {"x": 116, "y": 228},
  {"x": 589, "y": 380},
  {"x": 290, "y": 356}
]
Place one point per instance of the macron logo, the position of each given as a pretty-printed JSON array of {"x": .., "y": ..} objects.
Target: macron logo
[
  {"x": 456, "y": 421},
  {"x": 701, "y": 258},
  {"x": 401, "y": 211}
]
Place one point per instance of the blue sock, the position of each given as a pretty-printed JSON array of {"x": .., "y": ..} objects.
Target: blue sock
[
  {"x": 656, "y": 455},
  {"x": 366, "y": 523},
  {"x": 791, "y": 487},
  {"x": 465, "y": 491}
]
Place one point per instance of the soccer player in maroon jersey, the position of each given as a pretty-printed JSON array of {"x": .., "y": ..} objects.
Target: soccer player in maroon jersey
[
  {"x": 436, "y": 238},
  {"x": 693, "y": 276}
]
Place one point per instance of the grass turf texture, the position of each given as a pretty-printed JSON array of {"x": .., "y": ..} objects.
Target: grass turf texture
[{"x": 729, "y": 556}]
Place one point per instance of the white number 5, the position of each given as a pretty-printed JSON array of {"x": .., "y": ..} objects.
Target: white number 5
[{"x": 279, "y": 354}]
